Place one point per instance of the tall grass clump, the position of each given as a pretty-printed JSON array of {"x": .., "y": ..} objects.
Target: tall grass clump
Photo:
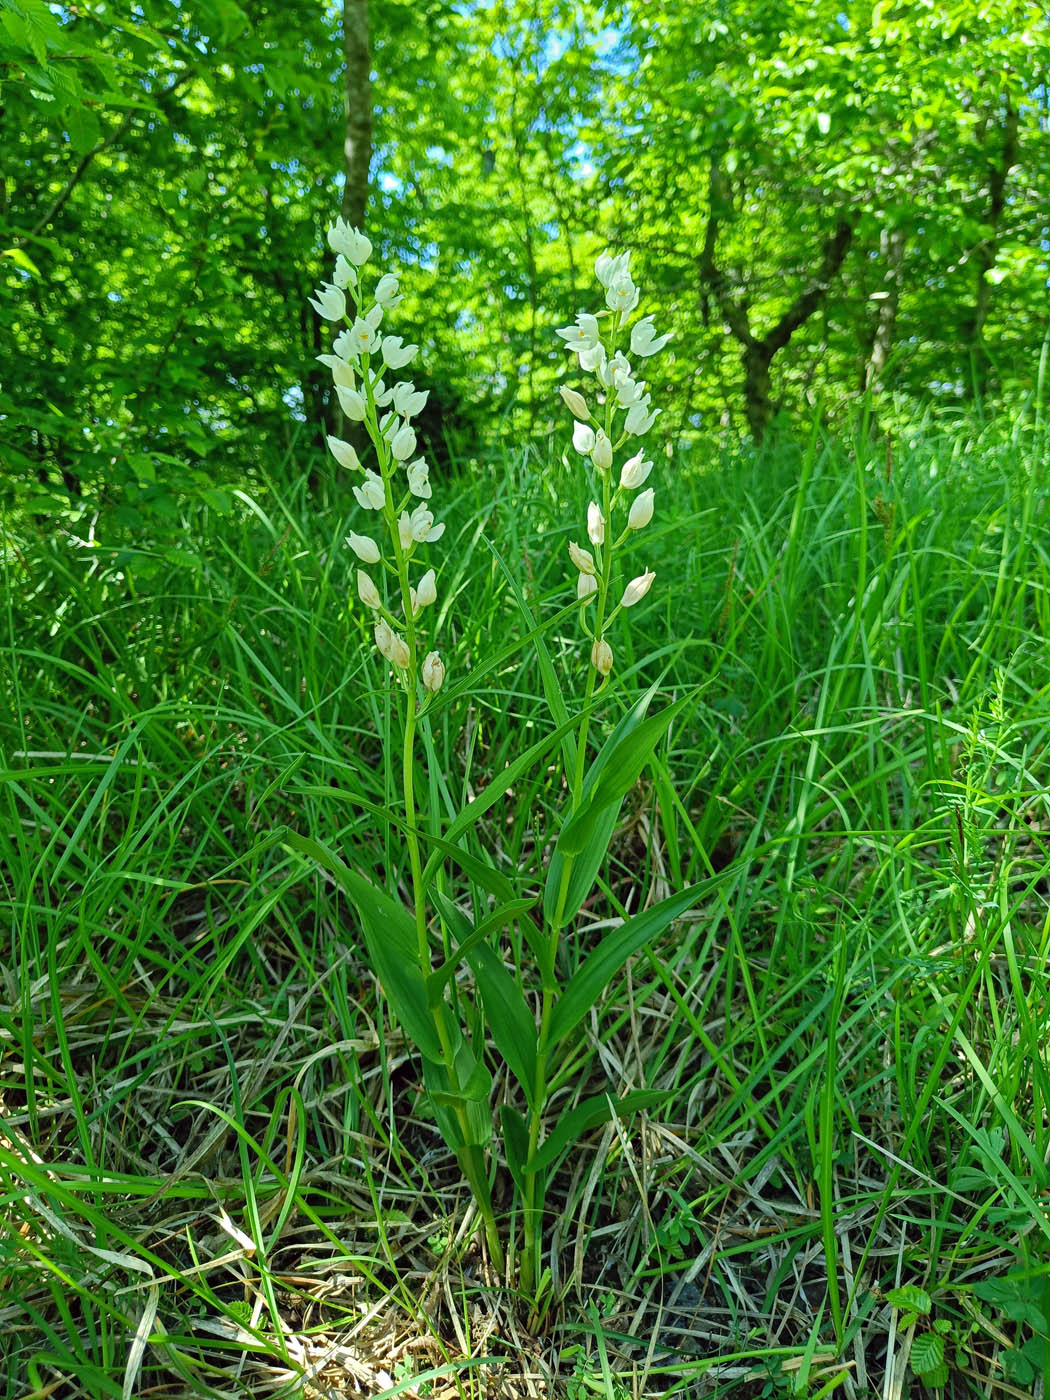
[{"x": 227, "y": 1163}]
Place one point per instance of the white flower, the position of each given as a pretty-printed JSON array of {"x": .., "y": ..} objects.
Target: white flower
[
  {"x": 344, "y": 275},
  {"x": 586, "y": 587},
  {"x": 601, "y": 453},
  {"x": 353, "y": 403},
  {"x": 386, "y": 289},
  {"x": 396, "y": 353},
  {"x": 362, "y": 338},
  {"x": 581, "y": 559},
  {"x": 607, "y": 372},
  {"x": 610, "y": 266},
  {"x": 602, "y": 657},
  {"x": 381, "y": 395},
  {"x": 641, "y": 509},
  {"x": 367, "y": 591},
  {"x": 433, "y": 671},
  {"x": 595, "y": 524},
  {"x": 374, "y": 316},
  {"x": 644, "y": 340},
  {"x": 628, "y": 390},
  {"x": 583, "y": 438},
  {"x": 403, "y": 443},
  {"x": 419, "y": 478},
  {"x": 583, "y": 335},
  {"x": 622, "y": 295},
  {"x": 371, "y": 495},
  {"x": 404, "y": 530},
  {"x": 575, "y": 403},
  {"x": 342, "y": 344},
  {"x": 594, "y": 358},
  {"x": 329, "y": 302},
  {"x": 349, "y": 241},
  {"x": 637, "y": 589},
  {"x": 408, "y": 400},
  {"x": 344, "y": 453},
  {"x": 366, "y": 550},
  {"x": 423, "y": 527},
  {"x": 635, "y": 471},
  {"x": 426, "y": 590},
  {"x": 639, "y": 419}
]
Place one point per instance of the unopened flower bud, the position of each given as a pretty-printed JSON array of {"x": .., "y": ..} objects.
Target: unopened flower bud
[
  {"x": 637, "y": 589},
  {"x": 399, "y": 652},
  {"x": 583, "y": 438},
  {"x": 367, "y": 591},
  {"x": 581, "y": 559},
  {"x": 595, "y": 524},
  {"x": 404, "y": 530},
  {"x": 384, "y": 639},
  {"x": 602, "y": 657},
  {"x": 366, "y": 550},
  {"x": 343, "y": 375},
  {"x": 386, "y": 289},
  {"x": 426, "y": 593},
  {"x": 586, "y": 587},
  {"x": 403, "y": 443},
  {"x": 344, "y": 454},
  {"x": 575, "y": 403},
  {"x": 601, "y": 453},
  {"x": 353, "y": 403},
  {"x": 641, "y": 509},
  {"x": 433, "y": 671},
  {"x": 344, "y": 275}
]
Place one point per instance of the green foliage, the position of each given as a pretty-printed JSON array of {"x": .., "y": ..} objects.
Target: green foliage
[{"x": 163, "y": 175}]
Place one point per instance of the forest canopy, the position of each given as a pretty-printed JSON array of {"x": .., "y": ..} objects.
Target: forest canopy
[{"x": 829, "y": 201}]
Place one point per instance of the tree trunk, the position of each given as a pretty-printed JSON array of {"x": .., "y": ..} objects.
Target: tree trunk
[
  {"x": 357, "y": 143},
  {"x": 987, "y": 250},
  {"x": 891, "y": 250},
  {"x": 758, "y": 402},
  {"x": 758, "y": 351}
]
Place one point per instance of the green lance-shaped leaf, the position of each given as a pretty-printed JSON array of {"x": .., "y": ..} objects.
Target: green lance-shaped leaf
[
  {"x": 390, "y": 937},
  {"x": 476, "y": 809},
  {"x": 515, "y": 1144},
  {"x": 601, "y": 966},
  {"x": 584, "y": 839},
  {"x": 588, "y": 1115},
  {"x": 510, "y": 1022},
  {"x": 468, "y": 938},
  {"x": 474, "y": 1128},
  {"x": 481, "y": 872}
]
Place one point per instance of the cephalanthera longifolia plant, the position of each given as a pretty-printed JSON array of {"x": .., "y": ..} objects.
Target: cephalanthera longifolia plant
[{"x": 417, "y": 954}]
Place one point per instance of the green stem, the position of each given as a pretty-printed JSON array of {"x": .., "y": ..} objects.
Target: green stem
[
  {"x": 470, "y": 1157},
  {"x": 534, "y": 1188}
]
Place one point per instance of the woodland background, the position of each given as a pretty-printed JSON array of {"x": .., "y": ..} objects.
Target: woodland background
[{"x": 826, "y": 201}]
